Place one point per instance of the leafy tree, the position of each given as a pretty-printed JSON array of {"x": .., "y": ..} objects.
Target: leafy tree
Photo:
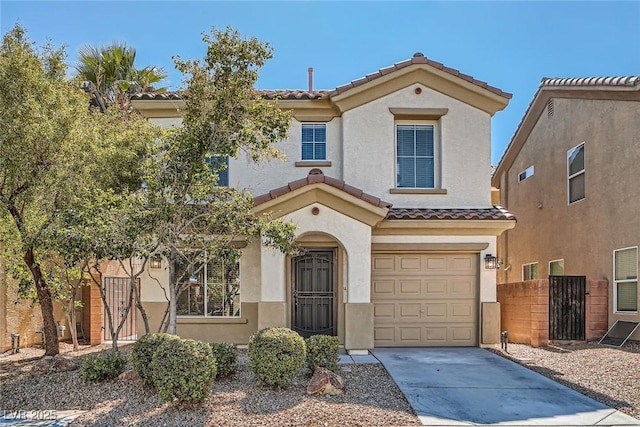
[
  {"x": 113, "y": 72},
  {"x": 56, "y": 157},
  {"x": 223, "y": 115}
]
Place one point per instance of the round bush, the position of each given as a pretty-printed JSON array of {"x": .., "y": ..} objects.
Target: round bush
[
  {"x": 142, "y": 354},
  {"x": 322, "y": 350},
  {"x": 183, "y": 370},
  {"x": 226, "y": 358},
  {"x": 102, "y": 366},
  {"x": 276, "y": 355}
]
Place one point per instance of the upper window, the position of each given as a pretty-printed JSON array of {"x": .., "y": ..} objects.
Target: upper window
[
  {"x": 625, "y": 273},
  {"x": 220, "y": 166},
  {"x": 314, "y": 141},
  {"x": 575, "y": 173},
  {"x": 415, "y": 156},
  {"x": 530, "y": 271},
  {"x": 527, "y": 173},
  {"x": 556, "y": 268},
  {"x": 213, "y": 290}
]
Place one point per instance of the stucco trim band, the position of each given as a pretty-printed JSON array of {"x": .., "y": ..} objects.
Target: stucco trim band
[
  {"x": 418, "y": 113},
  {"x": 422, "y": 247},
  {"x": 417, "y": 191}
]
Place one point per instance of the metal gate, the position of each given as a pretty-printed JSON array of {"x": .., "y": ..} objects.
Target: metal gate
[
  {"x": 567, "y": 307},
  {"x": 118, "y": 292},
  {"x": 314, "y": 297}
]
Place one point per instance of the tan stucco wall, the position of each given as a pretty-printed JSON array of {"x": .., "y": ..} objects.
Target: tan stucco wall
[
  {"x": 260, "y": 178},
  {"x": 464, "y": 141},
  {"x": 586, "y": 233},
  {"x": 358, "y": 326},
  {"x": 353, "y": 236}
]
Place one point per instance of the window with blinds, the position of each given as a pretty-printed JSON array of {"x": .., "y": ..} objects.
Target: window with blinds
[
  {"x": 625, "y": 273},
  {"x": 575, "y": 173},
  {"x": 314, "y": 141},
  {"x": 530, "y": 271},
  {"x": 415, "y": 156},
  {"x": 556, "y": 268}
]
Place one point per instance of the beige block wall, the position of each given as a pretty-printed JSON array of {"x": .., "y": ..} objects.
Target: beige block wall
[{"x": 585, "y": 233}]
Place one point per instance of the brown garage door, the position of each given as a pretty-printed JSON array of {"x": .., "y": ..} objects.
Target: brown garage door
[{"x": 425, "y": 299}]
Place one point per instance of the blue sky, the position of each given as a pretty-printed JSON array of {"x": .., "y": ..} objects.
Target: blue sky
[{"x": 511, "y": 45}]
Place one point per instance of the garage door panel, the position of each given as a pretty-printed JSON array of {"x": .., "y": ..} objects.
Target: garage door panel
[
  {"x": 408, "y": 264},
  {"x": 383, "y": 263},
  {"x": 425, "y": 299},
  {"x": 384, "y": 311},
  {"x": 410, "y": 287},
  {"x": 384, "y": 287},
  {"x": 435, "y": 311},
  {"x": 409, "y": 311}
]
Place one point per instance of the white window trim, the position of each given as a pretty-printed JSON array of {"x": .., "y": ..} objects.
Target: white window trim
[
  {"x": 205, "y": 297},
  {"x": 326, "y": 144},
  {"x": 436, "y": 153},
  {"x": 528, "y": 173},
  {"x": 556, "y": 260},
  {"x": 615, "y": 282},
  {"x": 530, "y": 263},
  {"x": 569, "y": 177}
]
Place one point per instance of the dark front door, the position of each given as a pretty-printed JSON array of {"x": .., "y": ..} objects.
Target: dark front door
[{"x": 314, "y": 296}]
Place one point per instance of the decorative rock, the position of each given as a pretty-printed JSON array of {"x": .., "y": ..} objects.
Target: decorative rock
[
  {"x": 324, "y": 381},
  {"x": 128, "y": 376},
  {"x": 55, "y": 363}
]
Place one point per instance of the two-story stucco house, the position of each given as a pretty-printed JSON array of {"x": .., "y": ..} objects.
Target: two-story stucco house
[
  {"x": 570, "y": 175},
  {"x": 388, "y": 181}
]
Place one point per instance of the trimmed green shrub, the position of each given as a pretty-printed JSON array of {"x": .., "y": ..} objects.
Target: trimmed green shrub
[
  {"x": 106, "y": 365},
  {"x": 183, "y": 370},
  {"x": 142, "y": 354},
  {"x": 322, "y": 350},
  {"x": 226, "y": 358},
  {"x": 276, "y": 355}
]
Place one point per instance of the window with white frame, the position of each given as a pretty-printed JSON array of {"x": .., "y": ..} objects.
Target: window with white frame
[
  {"x": 530, "y": 271},
  {"x": 527, "y": 173},
  {"x": 625, "y": 273},
  {"x": 415, "y": 156},
  {"x": 556, "y": 267},
  {"x": 314, "y": 141},
  {"x": 211, "y": 290},
  {"x": 576, "y": 174}
]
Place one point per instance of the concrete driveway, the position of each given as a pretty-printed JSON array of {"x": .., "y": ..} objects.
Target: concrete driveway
[{"x": 463, "y": 386}]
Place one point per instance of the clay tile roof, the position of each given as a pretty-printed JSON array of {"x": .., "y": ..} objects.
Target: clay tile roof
[
  {"x": 294, "y": 94},
  {"x": 494, "y": 213},
  {"x": 591, "y": 81},
  {"x": 156, "y": 96},
  {"x": 418, "y": 58},
  {"x": 316, "y": 176}
]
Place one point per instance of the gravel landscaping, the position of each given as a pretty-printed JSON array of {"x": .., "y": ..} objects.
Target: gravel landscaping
[
  {"x": 372, "y": 398},
  {"x": 607, "y": 374}
]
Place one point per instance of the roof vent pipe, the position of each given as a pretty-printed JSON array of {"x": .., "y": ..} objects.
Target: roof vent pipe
[{"x": 310, "y": 70}]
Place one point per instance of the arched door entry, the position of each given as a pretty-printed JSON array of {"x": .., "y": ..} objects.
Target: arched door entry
[{"x": 314, "y": 293}]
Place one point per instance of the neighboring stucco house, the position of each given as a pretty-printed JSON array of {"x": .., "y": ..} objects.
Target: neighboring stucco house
[
  {"x": 388, "y": 181},
  {"x": 570, "y": 175}
]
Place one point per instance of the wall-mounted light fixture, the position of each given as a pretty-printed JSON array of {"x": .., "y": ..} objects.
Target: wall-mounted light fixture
[
  {"x": 155, "y": 262},
  {"x": 491, "y": 262}
]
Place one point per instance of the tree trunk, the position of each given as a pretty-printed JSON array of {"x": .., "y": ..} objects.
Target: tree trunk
[
  {"x": 143, "y": 312},
  {"x": 173, "y": 297},
  {"x": 46, "y": 305}
]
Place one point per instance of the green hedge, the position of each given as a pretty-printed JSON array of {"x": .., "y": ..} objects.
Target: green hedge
[
  {"x": 102, "y": 366},
  {"x": 322, "y": 350},
  {"x": 226, "y": 358},
  {"x": 183, "y": 370},
  {"x": 142, "y": 354},
  {"x": 276, "y": 355}
]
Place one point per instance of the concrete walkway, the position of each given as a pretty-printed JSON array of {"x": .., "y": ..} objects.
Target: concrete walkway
[{"x": 466, "y": 386}]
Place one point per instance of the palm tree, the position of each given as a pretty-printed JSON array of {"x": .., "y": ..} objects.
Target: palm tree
[{"x": 112, "y": 70}]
